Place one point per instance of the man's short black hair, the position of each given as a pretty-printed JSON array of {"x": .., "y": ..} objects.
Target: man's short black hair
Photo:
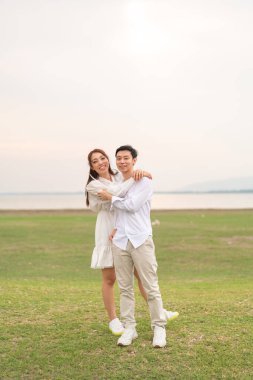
[{"x": 133, "y": 151}]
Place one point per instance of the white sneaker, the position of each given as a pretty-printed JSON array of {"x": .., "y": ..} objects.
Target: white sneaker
[
  {"x": 170, "y": 315},
  {"x": 127, "y": 337},
  {"x": 116, "y": 327},
  {"x": 159, "y": 339}
]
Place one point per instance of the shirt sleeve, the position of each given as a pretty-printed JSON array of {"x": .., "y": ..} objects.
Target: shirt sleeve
[{"x": 133, "y": 202}]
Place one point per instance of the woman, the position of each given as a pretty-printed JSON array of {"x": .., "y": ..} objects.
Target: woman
[{"x": 101, "y": 176}]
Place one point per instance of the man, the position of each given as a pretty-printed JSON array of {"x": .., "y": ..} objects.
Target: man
[{"x": 133, "y": 247}]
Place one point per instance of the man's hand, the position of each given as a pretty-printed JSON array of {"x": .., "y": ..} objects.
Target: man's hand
[{"x": 104, "y": 195}]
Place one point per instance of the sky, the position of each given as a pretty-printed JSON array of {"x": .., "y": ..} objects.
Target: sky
[{"x": 172, "y": 78}]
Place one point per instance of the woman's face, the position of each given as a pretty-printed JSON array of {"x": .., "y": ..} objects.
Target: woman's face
[{"x": 100, "y": 164}]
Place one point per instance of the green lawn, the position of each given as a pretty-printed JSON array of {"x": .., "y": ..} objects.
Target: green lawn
[{"x": 53, "y": 323}]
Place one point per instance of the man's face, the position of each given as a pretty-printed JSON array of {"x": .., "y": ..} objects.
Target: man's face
[{"x": 124, "y": 161}]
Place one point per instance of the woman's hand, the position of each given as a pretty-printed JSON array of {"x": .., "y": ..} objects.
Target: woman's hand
[
  {"x": 104, "y": 195},
  {"x": 139, "y": 174},
  {"x": 111, "y": 236}
]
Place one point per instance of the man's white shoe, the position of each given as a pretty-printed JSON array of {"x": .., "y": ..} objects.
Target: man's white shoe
[
  {"x": 170, "y": 315},
  {"x": 127, "y": 337},
  {"x": 116, "y": 327},
  {"x": 159, "y": 339}
]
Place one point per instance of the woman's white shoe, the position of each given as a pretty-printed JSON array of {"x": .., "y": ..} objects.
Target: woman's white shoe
[
  {"x": 116, "y": 327},
  {"x": 170, "y": 315}
]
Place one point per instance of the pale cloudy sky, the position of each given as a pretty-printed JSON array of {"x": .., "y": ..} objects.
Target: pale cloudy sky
[{"x": 172, "y": 78}]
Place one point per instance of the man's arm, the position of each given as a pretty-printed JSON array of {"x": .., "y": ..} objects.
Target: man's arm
[{"x": 142, "y": 193}]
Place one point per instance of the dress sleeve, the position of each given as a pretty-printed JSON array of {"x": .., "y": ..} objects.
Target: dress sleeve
[
  {"x": 94, "y": 186},
  {"x": 116, "y": 189},
  {"x": 120, "y": 189},
  {"x": 96, "y": 204}
]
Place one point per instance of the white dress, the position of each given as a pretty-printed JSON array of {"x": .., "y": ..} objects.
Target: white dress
[{"x": 102, "y": 253}]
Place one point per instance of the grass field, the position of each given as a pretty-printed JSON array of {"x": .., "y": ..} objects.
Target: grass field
[{"x": 53, "y": 323}]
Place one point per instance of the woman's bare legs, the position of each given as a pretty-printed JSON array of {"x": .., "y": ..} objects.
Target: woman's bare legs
[{"x": 108, "y": 280}]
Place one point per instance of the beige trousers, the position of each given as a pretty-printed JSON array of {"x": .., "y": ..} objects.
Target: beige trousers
[{"x": 144, "y": 260}]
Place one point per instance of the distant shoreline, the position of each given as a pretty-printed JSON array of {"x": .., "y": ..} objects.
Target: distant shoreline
[
  {"x": 87, "y": 211},
  {"x": 160, "y": 201},
  {"x": 243, "y": 191}
]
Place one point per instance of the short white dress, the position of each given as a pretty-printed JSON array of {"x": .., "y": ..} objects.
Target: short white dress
[{"x": 102, "y": 253}]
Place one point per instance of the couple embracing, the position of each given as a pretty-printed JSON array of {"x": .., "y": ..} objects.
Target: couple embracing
[{"x": 124, "y": 245}]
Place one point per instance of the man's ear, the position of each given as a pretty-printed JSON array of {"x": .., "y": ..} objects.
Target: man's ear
[{"x": 134, "y": 161}]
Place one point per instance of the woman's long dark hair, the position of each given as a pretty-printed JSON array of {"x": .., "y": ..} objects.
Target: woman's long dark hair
[{"x": 93, "y": 174}]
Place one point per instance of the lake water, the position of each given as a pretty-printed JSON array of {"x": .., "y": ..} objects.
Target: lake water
[{"x": 160, "y": 201}]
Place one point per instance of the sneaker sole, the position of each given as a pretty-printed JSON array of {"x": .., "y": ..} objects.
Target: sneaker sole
[
  {"x": 116, "y": 334},
  {"x": 157, "y": 346},
  {"x": 172, "y": 318},
  {"x": 126, "y": 345}
]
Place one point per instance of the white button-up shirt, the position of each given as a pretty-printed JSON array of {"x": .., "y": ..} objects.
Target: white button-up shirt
[{"x": 133, "y": 214}]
